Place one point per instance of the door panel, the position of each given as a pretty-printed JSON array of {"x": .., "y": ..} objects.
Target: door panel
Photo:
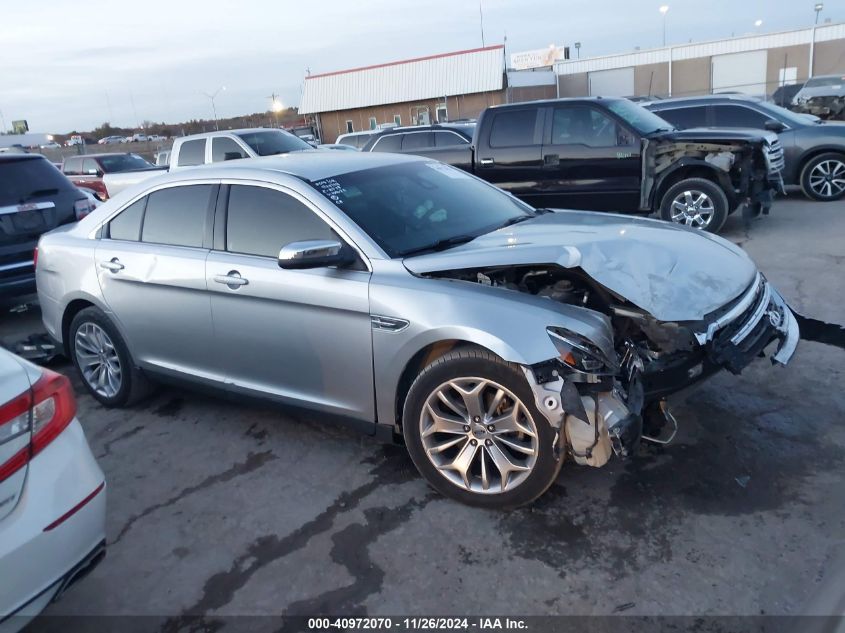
[
  {"x": 590, "y": 160},
  {"x": 302, "y": 335},
  {"x": 510, "y": 157},
  {"x": 160, "y": 300}
]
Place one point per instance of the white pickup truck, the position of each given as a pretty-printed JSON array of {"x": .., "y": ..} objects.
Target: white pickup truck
[{"x": 214, "y": 147}]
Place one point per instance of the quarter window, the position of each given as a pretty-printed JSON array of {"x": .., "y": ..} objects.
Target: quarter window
[
  {"x": 225, "y": 148},
  {"x": 192, "y": 153},
  {"x": 449, "y": 139},
  {"x": 261, "y": 221},
  {"x": 126, "y": 225},
  {"x": 388, "y": 143},
  {"x": 177, "y": 215},
  {"x": 513, "y": 128}
]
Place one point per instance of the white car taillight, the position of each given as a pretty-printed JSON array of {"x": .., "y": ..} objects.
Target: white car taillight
[
  {"x": 39, "y": 415},
  {"x": 82, "y": 208}
]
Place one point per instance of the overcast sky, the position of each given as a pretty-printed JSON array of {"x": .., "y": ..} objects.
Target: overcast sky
[{"x": 75, "y": 64}]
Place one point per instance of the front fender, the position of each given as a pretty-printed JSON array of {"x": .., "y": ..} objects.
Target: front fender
[
  {"x": 508, "y": 323},
  {"x": 722, "y": 178}
]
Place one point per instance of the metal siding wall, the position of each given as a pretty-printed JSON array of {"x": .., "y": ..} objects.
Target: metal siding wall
[{"x": 479, "y": 71}]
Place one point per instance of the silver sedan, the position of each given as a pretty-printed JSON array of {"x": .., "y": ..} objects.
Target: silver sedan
[{"x": 496, "y": 339}]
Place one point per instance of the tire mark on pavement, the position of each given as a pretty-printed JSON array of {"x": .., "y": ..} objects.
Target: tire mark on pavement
[
  {"x": 126, "y": 434},
  {"x": 253, "y": 462}
]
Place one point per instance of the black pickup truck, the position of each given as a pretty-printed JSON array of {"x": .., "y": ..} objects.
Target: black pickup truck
[{"x": 611, "y": 154}]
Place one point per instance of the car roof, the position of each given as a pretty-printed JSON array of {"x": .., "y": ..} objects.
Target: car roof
[
  {"x": 543, "y": 102},
  {"x": 703, "y": 99},
  {"x": 9, "y": 157},
  {"x": 308, "y": 165},
  {"x": 246, "y": 130},
  {"x": 100, "y": 155},
  {"x": 466, "y": 128}
]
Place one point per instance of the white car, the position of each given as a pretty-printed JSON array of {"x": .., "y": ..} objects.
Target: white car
[
  {"x": 111, "y": 140},
  {"x": 51, "y": 145},
  {"x": 52, "y": 492}
]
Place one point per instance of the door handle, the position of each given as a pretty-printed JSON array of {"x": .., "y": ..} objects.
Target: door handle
[
  {"x": 487, "y": 161},
  {"x": 232, "y": 279},
  {"x": 551, "y": 160},
  {"x": 112, "y": 265}
]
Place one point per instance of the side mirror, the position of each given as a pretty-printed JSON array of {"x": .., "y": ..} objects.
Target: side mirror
[
  {"x": 232, "y": 156},
  {"x": 774, "y": 126},
  {"x": 315, "y": 254}
]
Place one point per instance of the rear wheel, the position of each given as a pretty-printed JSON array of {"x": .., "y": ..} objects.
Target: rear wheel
[
  {"x": 823, "y": 177},
  {"x": 103, "y": 361},
  {"x": 697, "y": 203},
  {"x": 474, "y": 432}
]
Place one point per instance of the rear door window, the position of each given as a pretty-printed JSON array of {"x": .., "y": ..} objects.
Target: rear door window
[
  {"x": 683, "y": 118},
  {"x": 738, "y": 116},
  {"x": 177, "y": 215},
  {"x": 126, "y": 225},
  {"x": 417, "y": 140},
  {"x": 192, "y": 153},
  {"x": 389, "y": 143},
  {"x": 449, "y": 139},
  {"x": 225, "y": 148},
  {"x": 513, "y": 128},
  {"x": 260, "y": 221}
]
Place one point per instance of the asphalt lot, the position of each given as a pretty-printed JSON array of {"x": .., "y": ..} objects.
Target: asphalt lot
[{"x": 220, "y": 508}]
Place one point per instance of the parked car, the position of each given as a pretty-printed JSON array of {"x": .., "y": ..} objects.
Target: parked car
[
  {"x": 446, "y": 142},
  {"x": 413, "y": 298},
  {"x": 138, "y": 137},
  {"x": 783, "y": 95},
  {"x": 111, "y": 140},
  {"x": 34, "y": 198},
  {"x": 76, "y": 139},
  {"x": 822, "y": 96},
  {"x": 51, "y": 145},
  {"x": 814, "y": 150},
  {"x": 52, "y": 492},
  {"x": 213, "y": 147},
  {"x": 355, "y": 139},
  {"x": 155, "y": 138},
  {"x": 88, "y": 170},
  {"x": 338, "y": 146},
  {"x": 609, "y": 154}
]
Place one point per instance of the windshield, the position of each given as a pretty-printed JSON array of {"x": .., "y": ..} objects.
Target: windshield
[
  {"x": 642, "y": 120},
  {"x": 123, "y": 162},
  {"x": 824, "y": 82},
  {"x": 413, "y": 207},
  {"x": 29, "y": 178},
  {"x": 272, "y": 142}
]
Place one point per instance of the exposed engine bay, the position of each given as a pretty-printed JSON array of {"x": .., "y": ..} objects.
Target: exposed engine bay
[{"x": 605, "y": 403}]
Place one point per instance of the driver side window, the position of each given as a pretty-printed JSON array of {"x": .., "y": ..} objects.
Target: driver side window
[
  {"x": 584, "y": 125},
  {"x": 260, "y": 221}
]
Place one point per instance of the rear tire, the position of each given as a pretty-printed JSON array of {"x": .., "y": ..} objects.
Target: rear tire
[
  {"x": 823, "y": 177},
  {"x": 502, "y": 458},
  {"x": 103, "y": 361},
  {"x": 697, "y": 203}
]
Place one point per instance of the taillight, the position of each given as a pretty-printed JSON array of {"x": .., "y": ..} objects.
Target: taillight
[
  {"x": 82, "y": 208},
  {"x": 53, "y": 410},
  {"x": 35, "y": 418}
]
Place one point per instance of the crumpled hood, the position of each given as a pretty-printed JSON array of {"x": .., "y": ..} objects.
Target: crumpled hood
[{"x": 674, "y": 273}]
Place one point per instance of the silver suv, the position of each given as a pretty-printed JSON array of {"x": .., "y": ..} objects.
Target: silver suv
[{"x": 404, "y": 293}]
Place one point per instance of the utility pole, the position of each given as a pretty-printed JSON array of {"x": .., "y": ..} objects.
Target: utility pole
[
  {"x": 213, "y": 107},
  {"x": 481, "y": 20}
]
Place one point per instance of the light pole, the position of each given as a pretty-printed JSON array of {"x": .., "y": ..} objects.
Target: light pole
[
  {"x": 818, "y": 9},
  {"x": 213, "y": 107},
  {"x": 664, "y": 10},
  {"x": 578, "y": 49}
]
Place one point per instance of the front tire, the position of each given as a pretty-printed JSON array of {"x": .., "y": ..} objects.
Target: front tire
[
  {"x": 697, "y": 203},
  {"x": 823, "y": 177},
  {"x": 102, "y": 359},
  {"x": 474, "y": 432}
]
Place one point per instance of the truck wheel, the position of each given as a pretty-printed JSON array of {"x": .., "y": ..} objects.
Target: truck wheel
[
  {"x": 474, "y": 432},
  {"x": 103, "y": 361},
  {"x": 697, "y": 203},
  {"x": 823, "y": 177}
]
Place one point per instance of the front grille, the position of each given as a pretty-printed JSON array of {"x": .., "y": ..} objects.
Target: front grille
[{"x": 775, "y": 157}]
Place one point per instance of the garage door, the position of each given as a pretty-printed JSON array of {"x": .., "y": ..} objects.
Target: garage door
[
  {"x": 618, "y": 82},
  {"x": 740, "y": 72}
]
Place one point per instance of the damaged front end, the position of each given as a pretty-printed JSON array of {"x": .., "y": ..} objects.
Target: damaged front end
[{"x": 603, "y": 401}]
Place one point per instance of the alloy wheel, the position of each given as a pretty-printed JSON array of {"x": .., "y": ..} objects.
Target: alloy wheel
[
  {"x": 693, "y": 208},
  {"x": 479, "y": 435},
  {"x": 827, "y": 179},
  {"x": 97, "y": 359}
]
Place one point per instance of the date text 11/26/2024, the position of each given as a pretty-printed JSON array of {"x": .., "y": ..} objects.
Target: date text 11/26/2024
[{"x": 416, "y": 624}]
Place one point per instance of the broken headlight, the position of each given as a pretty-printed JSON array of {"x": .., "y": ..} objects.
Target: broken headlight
[{"x": 579, "y": 354}]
